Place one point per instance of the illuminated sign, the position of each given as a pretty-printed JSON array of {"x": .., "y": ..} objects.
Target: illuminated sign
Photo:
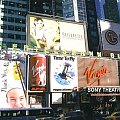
[
  {"x": 97, "y": 72},
  {"x": 12, "y": 83},
  {"x": 37, "y": 72},
  {"x": 63, "y": 73},
  {"x": 46, "y": 33}
]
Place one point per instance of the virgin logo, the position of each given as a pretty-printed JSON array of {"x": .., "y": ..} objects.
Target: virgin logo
[{"x": 94, "y": 74}]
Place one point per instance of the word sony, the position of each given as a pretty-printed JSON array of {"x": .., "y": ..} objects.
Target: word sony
[{"x": 103, "y": 90}]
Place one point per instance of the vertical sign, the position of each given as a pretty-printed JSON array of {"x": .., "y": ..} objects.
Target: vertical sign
[
  {"x": 63, "y": 74},
  {"x": 37, "y": 72}
]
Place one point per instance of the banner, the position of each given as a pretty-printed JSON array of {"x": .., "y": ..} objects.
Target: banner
[
  {"x": 37, "y": 72},
  {"x": 46, "y": 33},
  {"x": 63, "y": 74},
  {"x": 13, "y": 83},
  {"x": 97, "y": 72}
]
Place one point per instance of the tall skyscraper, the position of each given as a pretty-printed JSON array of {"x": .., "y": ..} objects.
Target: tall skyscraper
[
  {"x": 93, "y": 28},
  {"x": 13, "y": 22},
  {"x": 74, "y": 10},
  {"x": 108, "y": 9}
]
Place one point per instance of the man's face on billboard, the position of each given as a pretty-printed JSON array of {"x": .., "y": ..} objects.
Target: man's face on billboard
[{"x": 16, "y": 98}]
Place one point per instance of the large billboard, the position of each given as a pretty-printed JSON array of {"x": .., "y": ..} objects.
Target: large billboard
[
  {"x": 13, "y": 83},
  {"x": 110, "y": 33},
  {"x": 56, "y": 34},
  {"x": 63, "y": 73},
  {"x": 97, "y": 72}
]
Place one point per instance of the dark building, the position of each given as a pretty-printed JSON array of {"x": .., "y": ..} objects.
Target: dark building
[{"x": 93, "y": 27}]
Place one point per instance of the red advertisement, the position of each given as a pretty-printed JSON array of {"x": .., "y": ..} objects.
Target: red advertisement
[
  {"x": 97, "y": 72},
  {"x": 37, "y": 72}
]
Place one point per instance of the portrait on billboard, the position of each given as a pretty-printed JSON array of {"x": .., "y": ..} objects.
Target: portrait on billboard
[
  {"x": 13, "y": 84},
  {"x": 44, "y": 33},
  {"x": 97, "y": 72},
  {"x": 37, "y": 72},
  {"x": 63, "y": 73}
]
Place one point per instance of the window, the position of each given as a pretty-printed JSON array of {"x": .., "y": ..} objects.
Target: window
[
  {"x": 3, "y": 26},
  {"x": 3, "y": 18},
  {"x": 10, "y": 11},
  {"x": 23, "y": 29},
  {"x": 10, "y": 35},
  {"x": 19, "y": 5},
  {"x": 10, "y": 27},
  {"x": 17, "y": 28},
  {"x": 24, "y": 13},
  {"x": 23, "y": 37},
  {"x": 3, "y": 10},
  {"x": 24, "y": 6},
  {"x": 17, "y": 36},
  {"x": 10, "y": 19},
  {"x": 4, "y": 2},
  {"x": 5, "y": 35},
  {"x": 12, "y": 4},
  {"x": 17, "y": 20},
  {"x": 23, "y": 21}
]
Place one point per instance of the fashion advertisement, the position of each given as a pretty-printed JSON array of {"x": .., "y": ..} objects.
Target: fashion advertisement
[
  {"x": 12, "y": 83},
  {"x": 47, "y": 33},
  {"x": 44, "y": 33}
]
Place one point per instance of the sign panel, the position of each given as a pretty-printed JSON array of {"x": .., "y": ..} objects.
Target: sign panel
[
  {"x": 110, "y": 33},
  {"x": 97, "y": 72},
  {"x": 63, "y": 74},
  {"x": 55, "y": 34},
  {"x": 37, "y": 72},
  {"x": 12, "y": 83}
]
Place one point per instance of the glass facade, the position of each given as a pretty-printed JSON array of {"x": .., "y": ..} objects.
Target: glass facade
[
  {"x": 105, "y": 10},
  {"x": 13, "y": 22}
]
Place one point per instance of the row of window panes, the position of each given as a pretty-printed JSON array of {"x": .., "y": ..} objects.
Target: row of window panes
[
  {"x": 11, "y": 11},
  {"x": 12, "y": 19},
  {"x": 14, "y": 4},
  {"x": 12, "y": 27},
  {"x": 13, "y": 36}
]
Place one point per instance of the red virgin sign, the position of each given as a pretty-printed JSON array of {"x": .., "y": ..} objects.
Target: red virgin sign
[{"x": 97, "y": 72}]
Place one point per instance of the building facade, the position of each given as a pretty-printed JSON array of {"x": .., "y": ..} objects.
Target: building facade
[
  {"x": 105, "y": 10},
  {"x": 13, "y": 22}
]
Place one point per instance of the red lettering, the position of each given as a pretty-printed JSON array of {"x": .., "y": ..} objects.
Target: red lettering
[{"x": 92, "y": 73}]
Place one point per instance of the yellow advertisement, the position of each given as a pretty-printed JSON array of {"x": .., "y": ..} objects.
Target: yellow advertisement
[{"x": 44, "y": 33}]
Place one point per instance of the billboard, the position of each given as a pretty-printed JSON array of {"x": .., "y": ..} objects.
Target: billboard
[
  {"x": 56, "y": 34},
  {"x": 37, "y": 72},
  {"x": 97, "y": 72},
  {"x": 110, "y": 33},
  {"x": 13, "y": 83},
  {"x": 63, "y": 73}
]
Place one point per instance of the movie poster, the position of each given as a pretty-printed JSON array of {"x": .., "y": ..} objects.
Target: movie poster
[
  {"x": 63, "y": 74},
  {"x": 13, "y": 83},
  {"x": 37, "y": 72}
]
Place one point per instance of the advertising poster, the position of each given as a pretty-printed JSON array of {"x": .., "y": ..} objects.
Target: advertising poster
[
  {"x": 110, "y": 33},
  {"x": 63, "y": 74},
  {"x": 46, "y": 33},
  {"x": 12, "y": 83},
  {"x": 97, "y": 72},
  {"x": 37, "y": 72},
  {"x": 74, "y": 35}
]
